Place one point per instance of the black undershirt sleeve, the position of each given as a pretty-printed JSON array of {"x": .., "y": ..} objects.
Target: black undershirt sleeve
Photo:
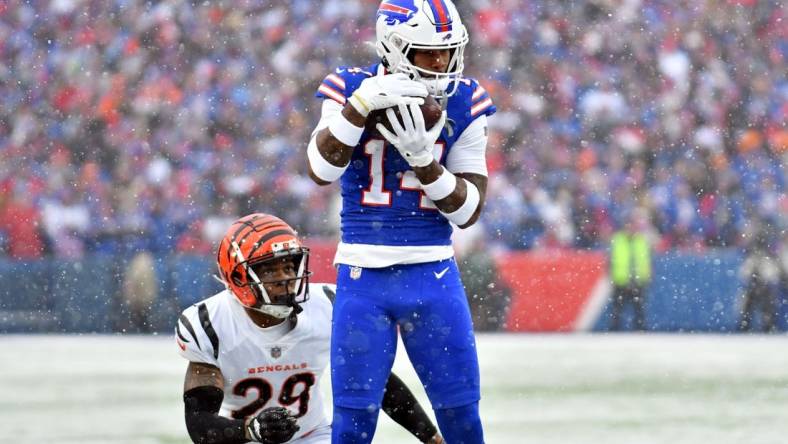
[
  {"x": 401, "y": 406},
  {"x": 203, "y": 422}
]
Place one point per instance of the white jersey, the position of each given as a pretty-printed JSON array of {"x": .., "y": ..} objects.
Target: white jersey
[{"x": 263, "y": 367}]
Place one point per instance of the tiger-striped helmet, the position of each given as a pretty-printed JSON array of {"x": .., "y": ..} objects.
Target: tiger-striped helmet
[{"x": 256, "y": 242}]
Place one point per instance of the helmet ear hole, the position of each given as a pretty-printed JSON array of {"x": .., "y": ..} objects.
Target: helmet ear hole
[{"x": 236, "y": 277}]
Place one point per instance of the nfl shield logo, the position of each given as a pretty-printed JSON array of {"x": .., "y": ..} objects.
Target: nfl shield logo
[
  {"x": 355, "y": 273},
  {"x": 276, "y": 352}
]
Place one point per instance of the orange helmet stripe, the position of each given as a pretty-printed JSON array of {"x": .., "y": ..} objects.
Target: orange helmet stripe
[
  {"x": 268, "y": 236},
  {"x": 241, "y": 236}
]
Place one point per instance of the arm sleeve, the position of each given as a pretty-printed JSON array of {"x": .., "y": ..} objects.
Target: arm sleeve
[
  {"x": 203, "y": 422},
  {"x": 401, "y": 406},
  {"x": 467, "y": 155}
]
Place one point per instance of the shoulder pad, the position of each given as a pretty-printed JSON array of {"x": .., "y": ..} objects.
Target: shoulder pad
[
  {"x": 330, "y": 290},
  {"x": 341, "y": 83},
  {"x": 195, "y": 336},
  {"x": 322, "y": 290},
  {"x": 356, "y": 71},
  {"x": 480, "y": 100}
]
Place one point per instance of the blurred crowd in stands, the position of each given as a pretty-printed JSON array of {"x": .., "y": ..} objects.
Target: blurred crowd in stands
[{"x": 129, "y": 125}]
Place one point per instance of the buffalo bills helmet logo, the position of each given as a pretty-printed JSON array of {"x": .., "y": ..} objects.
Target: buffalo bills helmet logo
[{"x": 397, "y": 11}]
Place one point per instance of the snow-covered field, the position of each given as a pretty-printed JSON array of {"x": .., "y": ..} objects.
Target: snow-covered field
[{"x": 536, "y": 389}]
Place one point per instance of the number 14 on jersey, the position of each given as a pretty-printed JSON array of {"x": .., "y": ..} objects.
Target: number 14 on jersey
[{"x": 376, "y": 194}]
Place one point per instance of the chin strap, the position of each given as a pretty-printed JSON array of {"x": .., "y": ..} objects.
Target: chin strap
[{"x": 277, "y": 311}]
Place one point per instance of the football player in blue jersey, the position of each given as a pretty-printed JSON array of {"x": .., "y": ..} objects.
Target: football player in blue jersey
[{"x": 401, "y": 191}]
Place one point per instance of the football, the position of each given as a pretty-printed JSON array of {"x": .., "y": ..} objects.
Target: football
[{"x": 430, "y": 109}]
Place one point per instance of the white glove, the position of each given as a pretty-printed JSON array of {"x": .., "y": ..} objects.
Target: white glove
[
  {"x": 380, "y": 92},
  {"x": 413, "y": 141}
]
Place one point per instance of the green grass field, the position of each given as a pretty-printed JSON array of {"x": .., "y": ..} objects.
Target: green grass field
[{"x": 536, "y": 389}]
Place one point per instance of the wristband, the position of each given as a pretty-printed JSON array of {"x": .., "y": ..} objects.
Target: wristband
[
  {"x": 441, "y": 187},
  {"x": 359, "y": 104},
  {"x": 344, "y": 131},
  {"x": 324, "y": 170},
  {"x": 463, "y": 214}
]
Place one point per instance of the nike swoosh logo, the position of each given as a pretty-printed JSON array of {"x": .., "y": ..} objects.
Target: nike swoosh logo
[{"x": 440, "y": 275}]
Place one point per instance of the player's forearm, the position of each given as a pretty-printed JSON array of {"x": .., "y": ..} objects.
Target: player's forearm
[
  {"x": 451, "y": 193},
  {"x": 429, "y": 174},
  {"x": 201, "y": 407},
  {"x": 204, "y": 428},
  {"x": 332, "y": 149},
  {"x": 332, "y": 145}
]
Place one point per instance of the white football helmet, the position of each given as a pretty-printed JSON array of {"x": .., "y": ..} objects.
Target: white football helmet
[{"x": 405, "y": 25}]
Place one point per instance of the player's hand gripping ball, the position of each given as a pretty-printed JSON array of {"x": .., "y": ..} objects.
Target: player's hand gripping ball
[
  {"x": 411, "y": 137},
  {"x": 273, "y": 425},
  {"x": 430, "y": 109},
  {"x": 381, "y": 92}
]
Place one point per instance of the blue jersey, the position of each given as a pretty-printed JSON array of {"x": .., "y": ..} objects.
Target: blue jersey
[{"x": 382, "y": 201}]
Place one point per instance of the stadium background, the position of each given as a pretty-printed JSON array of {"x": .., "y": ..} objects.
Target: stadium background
[{"x": 132, "y": 133}]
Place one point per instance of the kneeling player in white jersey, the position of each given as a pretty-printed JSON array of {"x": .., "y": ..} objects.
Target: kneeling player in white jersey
[{"x": 257, "y": 350}]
